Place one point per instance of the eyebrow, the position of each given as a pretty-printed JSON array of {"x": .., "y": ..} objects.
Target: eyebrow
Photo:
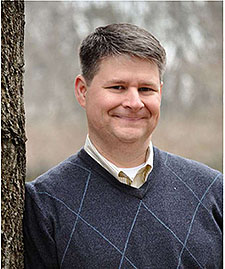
[
  {"x": 115, "y": 81},
  {"x": 151, "y": 84}
]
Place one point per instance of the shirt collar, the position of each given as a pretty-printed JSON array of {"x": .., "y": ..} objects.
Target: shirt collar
[{"x": 113, "y": 169}]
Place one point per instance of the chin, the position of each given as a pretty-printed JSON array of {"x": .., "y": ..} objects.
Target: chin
[{"x": 130, "y": 138}]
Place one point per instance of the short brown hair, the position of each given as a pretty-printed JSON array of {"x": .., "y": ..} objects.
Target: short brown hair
[{"x": 119, "y": 39}]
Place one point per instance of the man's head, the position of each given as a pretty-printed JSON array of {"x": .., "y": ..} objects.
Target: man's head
[
  {"x": 119, "y": 39},
  {"x": 120, "y": 86}
]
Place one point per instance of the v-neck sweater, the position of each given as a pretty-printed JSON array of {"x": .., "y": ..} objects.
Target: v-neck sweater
[{"x": 77, "y": 215}]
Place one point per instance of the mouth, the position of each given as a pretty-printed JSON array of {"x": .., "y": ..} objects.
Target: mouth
[{"x": 128, "y": 118}]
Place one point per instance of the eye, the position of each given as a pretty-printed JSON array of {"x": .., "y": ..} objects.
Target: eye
[
  {"x": 146, "y": 89},
  {"x": 117, "y": 87}
]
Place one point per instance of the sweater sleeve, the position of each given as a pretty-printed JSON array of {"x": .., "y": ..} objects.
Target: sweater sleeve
[{"x": 40, "y": 249}]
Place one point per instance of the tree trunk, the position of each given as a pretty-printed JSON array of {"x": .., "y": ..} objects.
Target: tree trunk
[{"x": 13, "y": 133}]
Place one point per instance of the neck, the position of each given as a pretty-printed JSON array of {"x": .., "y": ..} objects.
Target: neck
[{"x": 124, "y": 155}]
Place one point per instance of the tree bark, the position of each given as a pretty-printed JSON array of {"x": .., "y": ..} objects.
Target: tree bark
[{"x": 13, "y": 133}]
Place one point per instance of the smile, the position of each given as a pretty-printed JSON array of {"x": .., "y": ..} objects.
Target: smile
[{"x": 129, "y": 118}]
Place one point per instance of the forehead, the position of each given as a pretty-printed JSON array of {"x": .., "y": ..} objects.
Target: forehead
[{"x": 126, "y": 66}]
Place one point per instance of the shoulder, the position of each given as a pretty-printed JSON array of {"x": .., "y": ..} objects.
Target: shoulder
[
  {"x": 195, "y": 175},
  {"x": 184, "y": 166},
  {"x": 71, "y": 173}
]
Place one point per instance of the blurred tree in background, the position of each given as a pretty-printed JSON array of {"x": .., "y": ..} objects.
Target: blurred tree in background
[{"x": 191, "y": 117}]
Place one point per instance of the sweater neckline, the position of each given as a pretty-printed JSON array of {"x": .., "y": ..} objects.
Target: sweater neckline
[{"x": 97, "y": 168}]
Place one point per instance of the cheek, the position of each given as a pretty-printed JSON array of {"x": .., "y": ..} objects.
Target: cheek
[
  {"x": 96, "y": 108},
  {"x": 154, "y": 107}
]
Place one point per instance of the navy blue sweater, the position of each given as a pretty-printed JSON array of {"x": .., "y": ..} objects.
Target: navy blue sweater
[{"x": 77, "y": 215}]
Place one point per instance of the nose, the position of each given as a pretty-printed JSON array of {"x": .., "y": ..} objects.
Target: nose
[{"x": 132, "y": 100}]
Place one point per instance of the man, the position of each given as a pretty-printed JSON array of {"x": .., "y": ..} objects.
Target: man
[{"x": 120, "y": 202}]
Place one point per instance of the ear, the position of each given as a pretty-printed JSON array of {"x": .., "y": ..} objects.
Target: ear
[
  {"x": 160, "y": 91},
  {"x": 81, "y": 90},
  {"x": 161, "y": 86}
]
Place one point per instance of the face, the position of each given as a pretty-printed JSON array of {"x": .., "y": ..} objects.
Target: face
[{"x": 122, "y": 102}]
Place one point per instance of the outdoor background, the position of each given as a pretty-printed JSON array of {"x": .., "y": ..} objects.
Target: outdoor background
[{"x": 191, "y": 116}]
